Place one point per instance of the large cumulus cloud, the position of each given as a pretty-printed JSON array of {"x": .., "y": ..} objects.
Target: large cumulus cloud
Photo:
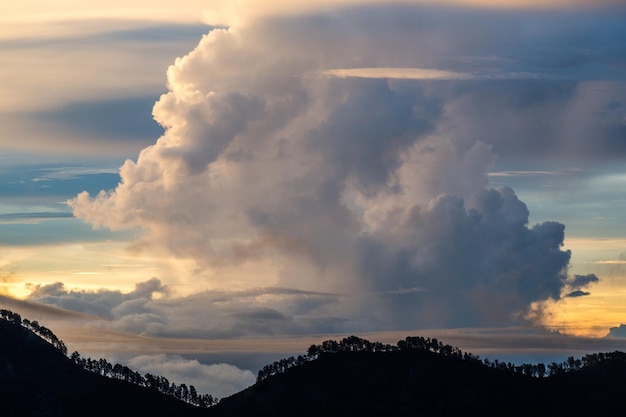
[{"x": 368, "y": 187}]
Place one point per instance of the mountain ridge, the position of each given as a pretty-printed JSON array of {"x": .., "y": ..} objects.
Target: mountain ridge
[
  {"x": 424, "y": 377},
  {"x": 417, "y": 377},
  {"x": 38, "y": 379},
  {"x": 423, "y": 383}
]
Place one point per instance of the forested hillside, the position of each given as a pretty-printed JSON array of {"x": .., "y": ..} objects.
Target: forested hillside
[
  {"x": 350, "y": 377},
  {"x": 38, "y": 379},
  {"x": 424, "y": 377}
]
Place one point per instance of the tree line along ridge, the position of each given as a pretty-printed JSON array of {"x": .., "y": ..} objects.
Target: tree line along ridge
[
  {"x": 190, "y": 395},
  {"x": 104, "y": 368},
  {"x": 357, "y": 344}
]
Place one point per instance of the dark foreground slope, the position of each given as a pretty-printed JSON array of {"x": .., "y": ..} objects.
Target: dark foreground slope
[
  {"x": 423, "y": 383},
  {"x": 38, "y": 380}
]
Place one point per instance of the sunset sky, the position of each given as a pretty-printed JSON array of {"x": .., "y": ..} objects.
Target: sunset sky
[{"x": 197, "y": 188}]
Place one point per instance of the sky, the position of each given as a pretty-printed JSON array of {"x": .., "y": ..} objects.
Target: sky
[{"x": 202, "y": 187}]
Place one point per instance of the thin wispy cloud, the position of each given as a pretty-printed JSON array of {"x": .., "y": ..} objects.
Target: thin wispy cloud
[
  {"x": 397, "y": 73},
  {"x": 522, "y": 173},
  {"x": 611, "y": 262},
  {"x": 32, "y": 217},
  {"x": 432, "y": 74}
]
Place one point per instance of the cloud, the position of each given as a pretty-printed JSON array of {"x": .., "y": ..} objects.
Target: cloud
[
  {"x": 477, "y": 255},
  {"x": 37, "y": 311},
  {"x": 430, "y": 74},
  {"x": 219, "y": 380},
  {"x": 522, "y": 173},
  {"x": 151, "y": 310},
  {"x": 574, "y": 284},
  {"x": 90, "y": 338},
  {"x": 243, "y": 11},
  {"x": 65, "y": 110},
  {"x": 578, "y": 293},
  {"x": 113, "y": 119},
  {"x": 611, "y": 262},
  {"x": 31, "y": 217},
  {"x": 106, "y": 304},
  {"x": 36, "y": 232},
  {"x": 72, "y": 11},
  {"x": 129, "y": 57},
  {"x": 578, "y": 281},
  {"x": 32, "y": 210},
  {"x": 400, "y": 73},
  {"x": 94, "y": 31},
  {"x": 364, "y": 187},
  {"x": 617, "y": 332}
]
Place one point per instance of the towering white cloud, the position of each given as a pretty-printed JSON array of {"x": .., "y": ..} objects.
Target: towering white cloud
[{"x": 367, "y": 187}]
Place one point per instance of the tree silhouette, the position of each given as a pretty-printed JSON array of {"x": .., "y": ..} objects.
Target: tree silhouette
[{"x": 104, "y": 368}]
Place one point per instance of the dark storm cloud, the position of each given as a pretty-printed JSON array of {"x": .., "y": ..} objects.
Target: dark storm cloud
[
  {"x": 577, "y": 293},
  {"x": 582, "y": 280},
  {"x": 478, "y": 255},
  {"x": 574, "y": 284}
]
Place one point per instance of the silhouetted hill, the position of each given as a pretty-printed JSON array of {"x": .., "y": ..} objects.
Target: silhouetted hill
[
  {"x": 400, "y": 383},
  {"x": 37, "y": 379},
  {"x": 419, "y": 382},
  {"x": 353, "y": 377}
]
